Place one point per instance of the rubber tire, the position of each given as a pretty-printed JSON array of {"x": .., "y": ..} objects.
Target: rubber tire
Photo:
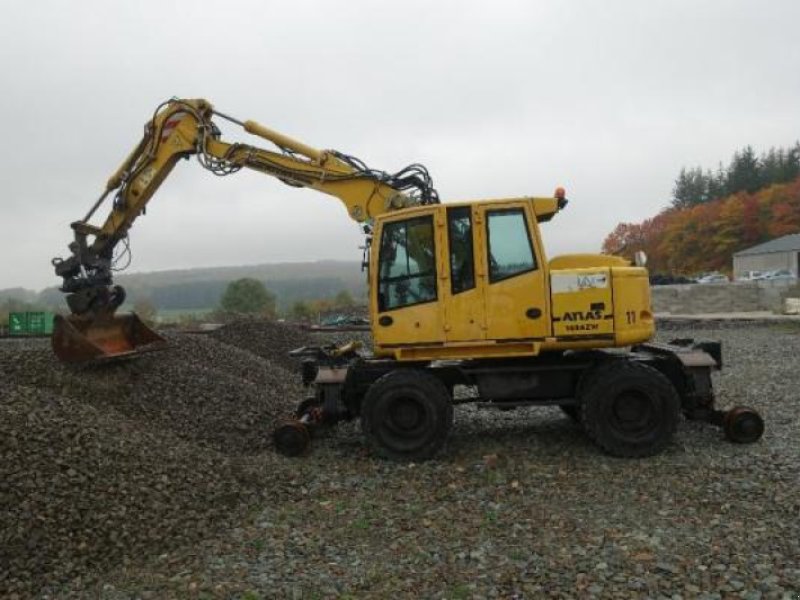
[
  {"x": 425, "y": 397},
  {"x": 606, "y": 384},
  {"x": 573, "y": 411}
]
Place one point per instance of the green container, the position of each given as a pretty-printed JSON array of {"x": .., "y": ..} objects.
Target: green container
[
  {"x": 18, "y": 323},
  {"x": 30, "y": 323},
  {"x": 40, "y": 323}
]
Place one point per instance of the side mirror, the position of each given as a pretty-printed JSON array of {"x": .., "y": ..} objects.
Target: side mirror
[{"x": 365, "y": 254}]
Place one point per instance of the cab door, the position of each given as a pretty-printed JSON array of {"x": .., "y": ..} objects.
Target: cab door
[
  {"x": 514, "y": 279},
  {"x": 465, "y": 316},
  {"x": 405, "y": 283}
]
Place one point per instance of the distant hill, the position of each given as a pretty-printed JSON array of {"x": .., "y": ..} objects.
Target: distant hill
[
  {"x": 196, "y": 289},
  {"x": 341, "y": 269}
]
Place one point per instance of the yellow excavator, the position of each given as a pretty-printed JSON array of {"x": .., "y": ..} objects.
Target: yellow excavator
[{"x": 461, "y": 295}]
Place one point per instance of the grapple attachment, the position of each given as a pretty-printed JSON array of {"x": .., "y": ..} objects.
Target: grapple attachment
[{"x": 80, "y": 339}]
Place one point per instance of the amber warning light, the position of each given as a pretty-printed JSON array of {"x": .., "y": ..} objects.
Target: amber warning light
[{"x": 561, "y": 197}]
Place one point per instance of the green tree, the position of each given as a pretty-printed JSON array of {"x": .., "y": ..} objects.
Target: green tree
[
  {"x": 691, "y": 188},
  {"x": 744, "y": 173},
  {"x": 772, "y": 165},
  {"x": 780, "y": 165},
  {"x": 790, "y": 166},
  {"x": 248, "y": 296},
  {"x": 717, "y": 184},
  {"x": 301, "y": 311}
]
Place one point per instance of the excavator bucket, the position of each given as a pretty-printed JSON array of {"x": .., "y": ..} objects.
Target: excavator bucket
[{"x": 84, "y": 340}]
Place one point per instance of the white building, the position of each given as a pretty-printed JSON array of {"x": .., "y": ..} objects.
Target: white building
[{"x": 781, "y": 253}]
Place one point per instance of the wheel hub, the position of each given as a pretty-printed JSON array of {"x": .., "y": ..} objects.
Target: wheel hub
[
  {"x": 405, "y": 415},
  {"x": 632, "y": 411},
  {"x": 292, "y": 438}
]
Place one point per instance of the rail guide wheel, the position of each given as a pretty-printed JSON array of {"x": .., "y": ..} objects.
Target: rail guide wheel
[
  {"x": 743, "y": 425},
  {"x": 292, "y": 438}
]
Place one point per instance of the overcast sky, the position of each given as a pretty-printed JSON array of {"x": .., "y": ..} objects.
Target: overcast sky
[{"x": 498, "y": 99}]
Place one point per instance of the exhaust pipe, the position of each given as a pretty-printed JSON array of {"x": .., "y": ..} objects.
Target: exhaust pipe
[{"x": 83, "y": 339}]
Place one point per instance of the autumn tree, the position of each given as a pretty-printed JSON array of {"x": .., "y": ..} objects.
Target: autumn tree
[
  {"x": 784, "y": 210},
  {"x": 624, "y": 240},
  {"x": 704, "y": 236}
]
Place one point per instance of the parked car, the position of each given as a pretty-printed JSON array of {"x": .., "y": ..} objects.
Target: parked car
[
  {"x": 667, "y": 279},
  {"x": 779, "y": 275},
  {"x": 697, "y": 277},
  {"x": 714, "y": 278},
  {"x": 751, "y": 276}
]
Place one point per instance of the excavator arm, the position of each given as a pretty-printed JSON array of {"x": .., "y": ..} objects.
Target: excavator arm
[{"x": 181, "y": 129}]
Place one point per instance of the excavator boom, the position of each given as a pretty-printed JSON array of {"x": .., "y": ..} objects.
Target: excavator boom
[{"x": 180, "y": 129}]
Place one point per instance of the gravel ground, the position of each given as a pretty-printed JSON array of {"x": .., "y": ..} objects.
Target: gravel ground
[
  {"x": 267, "y": 339},
  {"x": 84, "y": 489},
  {"x": 520, "y": 505}
]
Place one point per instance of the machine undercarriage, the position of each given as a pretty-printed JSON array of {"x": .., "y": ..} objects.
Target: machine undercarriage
[{"x": 651, "y": 386}]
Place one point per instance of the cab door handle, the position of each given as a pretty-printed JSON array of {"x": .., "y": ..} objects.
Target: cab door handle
[
  {"x": 533, "y": 313},
  {"x": 385, "y": 321}
]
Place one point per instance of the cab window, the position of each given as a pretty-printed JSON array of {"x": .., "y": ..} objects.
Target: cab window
[
  {"x": 509, "y": 244},
  {"x": 407, "y": 264},
  {"x": 462, "y": 263}
]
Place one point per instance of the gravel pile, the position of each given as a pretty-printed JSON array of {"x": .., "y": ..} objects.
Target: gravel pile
[
  {"x": 273, "y": 341},
  {"x": 197, "y": 389},
  {"x": 267, "y": 339},
  {"x": 522, "y": 505},
  {"x": 109, "y": 464},
  {"x": 340, "y": 338}
]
